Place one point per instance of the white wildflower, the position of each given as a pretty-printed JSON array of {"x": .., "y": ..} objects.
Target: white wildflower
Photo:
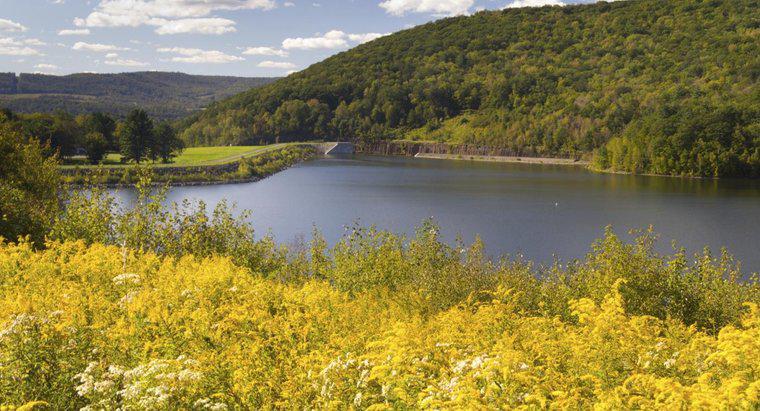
[
  {"x": 128, "y": 298},
  {"x": 126, "y": 279},
  {"x": 103, "y": 386}
]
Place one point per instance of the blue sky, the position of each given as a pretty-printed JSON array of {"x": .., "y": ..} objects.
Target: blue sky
[{"x": 225, "y": 37}]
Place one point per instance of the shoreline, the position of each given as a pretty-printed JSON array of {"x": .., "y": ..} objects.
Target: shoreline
[
  {"x": 244, "y": 170},
  {"x": 507, "y": 159}
]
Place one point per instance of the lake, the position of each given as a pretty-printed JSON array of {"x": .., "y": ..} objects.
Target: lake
[{"x": 538, "y": 211}]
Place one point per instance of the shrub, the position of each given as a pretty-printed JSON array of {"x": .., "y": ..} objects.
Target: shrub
[{"x": 28, "y": 188}]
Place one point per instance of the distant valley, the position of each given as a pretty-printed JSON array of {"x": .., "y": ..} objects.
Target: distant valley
[{"x": 163, "y": 95}]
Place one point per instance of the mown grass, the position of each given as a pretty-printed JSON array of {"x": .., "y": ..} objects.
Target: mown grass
[
  {"x": 193, "y": 156},
  {"x": 250, "y": 166}
]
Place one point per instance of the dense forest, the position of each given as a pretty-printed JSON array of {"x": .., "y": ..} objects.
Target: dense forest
[
  {"x": 654, "y": 86},
  {"x": 137, "y": 137},
  {"x": 166, "y": 96}
]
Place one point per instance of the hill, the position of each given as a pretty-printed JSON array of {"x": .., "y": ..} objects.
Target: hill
[
  {"x": 163, "y": 95},
  {"x": 667, "y": 87}
]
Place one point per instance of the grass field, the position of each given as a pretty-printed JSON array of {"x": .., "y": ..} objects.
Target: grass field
[{"x": 192, "y": 156}]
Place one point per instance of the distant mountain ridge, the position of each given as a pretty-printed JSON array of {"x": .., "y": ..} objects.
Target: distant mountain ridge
[{"x": 165, "y": 95}]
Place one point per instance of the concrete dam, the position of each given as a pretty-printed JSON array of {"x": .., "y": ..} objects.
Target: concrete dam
[{"x": 337, "y": 148}]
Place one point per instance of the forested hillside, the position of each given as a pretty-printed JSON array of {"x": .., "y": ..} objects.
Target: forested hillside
[
  {"x": 648, "y": 85},
  {"x": 163, "y": 95}
]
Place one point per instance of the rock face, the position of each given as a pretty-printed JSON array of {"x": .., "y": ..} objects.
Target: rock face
[{"x": 413, "y": 148}]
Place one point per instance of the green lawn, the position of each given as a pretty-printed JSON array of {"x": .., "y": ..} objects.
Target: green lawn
[{"x": 192, "y": 156}]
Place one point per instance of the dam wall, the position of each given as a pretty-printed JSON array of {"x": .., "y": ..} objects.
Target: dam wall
[
  {"x": 413, "y": 148},
  {"x": 336, "y": 148}
]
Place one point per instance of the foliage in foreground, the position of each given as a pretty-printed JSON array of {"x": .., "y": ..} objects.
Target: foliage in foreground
[
  {"x": 29, "y": 185},
  {"x": 154, "y": 310},
  {"x": 103, "y": 327}
]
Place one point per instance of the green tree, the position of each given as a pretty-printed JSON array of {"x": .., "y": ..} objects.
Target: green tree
[
  {"x": 7, "y": 115},
  {"x": 166, "y": 143},
  {"x": 101, "y": 123},
  {"x": 136, "y": 136},
  {"x": 29, "y": 183},
  {"x": 96, "y": 145}
]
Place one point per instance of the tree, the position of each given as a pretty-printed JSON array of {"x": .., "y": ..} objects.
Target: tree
[
  {"x": 58, "y": 132},
  {"x": 29, "y": 185},
  {"x": 136, "y": 136},
  {"x": 100, "y": 123},
  {"x": 96, "y": 145},
  {"x": 166, "y": 143},
  {"x": 66, "y": 134},
  {"x": 7, "y": 116}
]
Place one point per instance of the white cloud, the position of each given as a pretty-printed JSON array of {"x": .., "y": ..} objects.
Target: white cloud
[
  {"x": 46, "y": 67},
  {"x": 365, "y": 37},
  {"x": 18, "y": 51},
  {"x": 265, "y": 51},
  {"x": 97, "y": 47},
  {"x": 198, "y": 56},
  {"x": 18, "y": 42},
  {"x": 212, "y": 25},
  {"x": 124, "y": 62},
  {"x": 169, "y": 16},
  {"x": 34, "y": 42},
  {"x": 112, "y": 55},
  {"x": 74, "y": 32},
  {"x": 277, "y": 64},
  {"x": 289, "y": 4},
  {"x": 11, "y": 26},
  {"x": 533, "y": 3},
  {"x": 438, "y": 7},
  {"x": 334, "y": 39},
  {"x": 19, "y": 47}
]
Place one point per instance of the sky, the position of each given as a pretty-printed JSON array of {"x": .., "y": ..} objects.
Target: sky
[{"x": 251, "y": 38}]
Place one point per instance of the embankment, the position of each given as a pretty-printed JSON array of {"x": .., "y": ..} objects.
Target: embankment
[
  {"x": 463, "y": 152},
  {"x": 243, "y": 170},
  {"x": 507, "y": 159}
]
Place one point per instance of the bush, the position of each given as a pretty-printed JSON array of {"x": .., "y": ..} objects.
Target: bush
[
  {"x": 28, "y": 189},
  {"x": 94, "y": 216},
  {"x": 96, "y": 145}
]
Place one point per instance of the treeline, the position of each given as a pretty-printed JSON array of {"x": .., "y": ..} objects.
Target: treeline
[
  {"x": 551, "y": 80},
  {"x": 137, "y": 137},
  {"x": 688, "y": 138},
  {"x": 162, "y": 95}
]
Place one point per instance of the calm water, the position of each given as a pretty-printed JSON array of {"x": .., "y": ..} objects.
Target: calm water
[{"x": 539, "y": 211}]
